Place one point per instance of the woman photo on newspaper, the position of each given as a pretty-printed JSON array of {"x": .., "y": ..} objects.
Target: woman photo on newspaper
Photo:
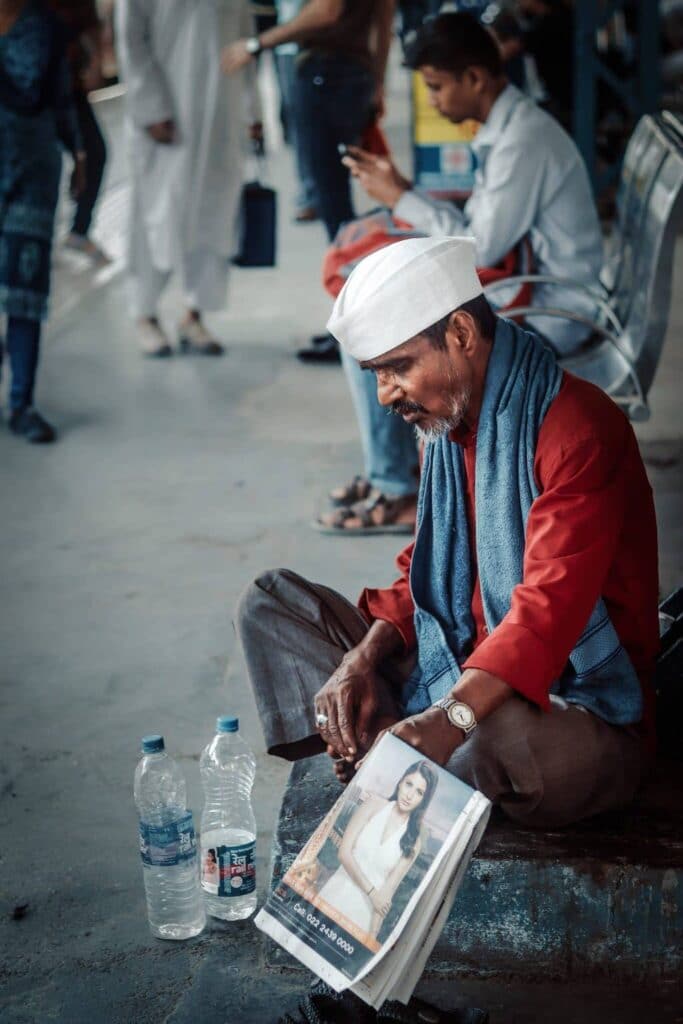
[{"x": 381, "y": 843}]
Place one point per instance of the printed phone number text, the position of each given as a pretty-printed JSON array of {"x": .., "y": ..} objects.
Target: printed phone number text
[{"x": 329, "y": 933}]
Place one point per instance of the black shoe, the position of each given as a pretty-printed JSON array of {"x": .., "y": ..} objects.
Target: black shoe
[
  {"x": 325, "y": 1006},
  {"x": 323, "y": 349},
  {"x": 30, "y": 424},
  {"x": 419, "y": 1012}
]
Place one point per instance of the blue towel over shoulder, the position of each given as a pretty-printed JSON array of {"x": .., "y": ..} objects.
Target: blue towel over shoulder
[{"x": 522, "y": 381}]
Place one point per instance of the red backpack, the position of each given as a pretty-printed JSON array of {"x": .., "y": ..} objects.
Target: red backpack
[{"x": 358, "y": 238}]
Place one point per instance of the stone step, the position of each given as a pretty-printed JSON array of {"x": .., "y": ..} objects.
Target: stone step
[{"x": 602, "y": 900}]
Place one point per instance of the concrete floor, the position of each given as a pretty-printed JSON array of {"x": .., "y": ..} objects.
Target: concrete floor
[{"x": 123, "y": 551}]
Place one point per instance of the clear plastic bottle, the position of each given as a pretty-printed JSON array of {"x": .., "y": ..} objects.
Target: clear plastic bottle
[
  {"x": 167, "y": 845},
  {"x": 228, "y": 829}
]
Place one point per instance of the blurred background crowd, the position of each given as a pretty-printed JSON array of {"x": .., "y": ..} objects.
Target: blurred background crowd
[{"x": 57, "y": 56}]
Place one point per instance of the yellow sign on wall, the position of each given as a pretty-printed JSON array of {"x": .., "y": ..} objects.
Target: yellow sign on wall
[
  {"x": 430, "y": 126},
  {"x": 443, "y": 158}
]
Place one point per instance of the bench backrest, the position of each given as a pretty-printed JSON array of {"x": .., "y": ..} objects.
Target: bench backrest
[
  {"x": 643, "y": 160},
  {"x": 638, "y": 270}
]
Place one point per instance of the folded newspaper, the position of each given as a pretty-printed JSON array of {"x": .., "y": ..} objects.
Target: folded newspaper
[{"x": 366, "y": 899}]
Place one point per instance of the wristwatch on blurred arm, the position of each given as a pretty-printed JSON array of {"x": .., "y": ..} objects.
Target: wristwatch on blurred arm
[
  {"x": 459, "y": 714},
  {"x": 253, "y": 46}
]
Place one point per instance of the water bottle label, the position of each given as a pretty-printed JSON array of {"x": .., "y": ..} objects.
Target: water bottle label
[
  {"x": 229, "y": 870},
  {"x": 167, "y": 845}
]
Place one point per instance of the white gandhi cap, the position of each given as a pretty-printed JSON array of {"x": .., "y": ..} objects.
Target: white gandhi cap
[{"x": 395, "y": 293}]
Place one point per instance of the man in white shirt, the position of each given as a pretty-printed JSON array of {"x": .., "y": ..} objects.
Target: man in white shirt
[{"x": 530, "y": 181}]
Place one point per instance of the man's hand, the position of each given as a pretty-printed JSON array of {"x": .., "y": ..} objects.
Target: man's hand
[
  {"x": 256, "y": 138},
  {"x": 350, "y": 698},
  {"x": 92, "y": 77},
  {"x": 163, "y": 132},
  {"x": 378, "y": 176},
  {"x": 234, "y": 57},
  {"x": 430, "y": 732}
]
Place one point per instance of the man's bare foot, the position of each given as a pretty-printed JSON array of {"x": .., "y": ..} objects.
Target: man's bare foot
[{"x": 345, "y": 769}]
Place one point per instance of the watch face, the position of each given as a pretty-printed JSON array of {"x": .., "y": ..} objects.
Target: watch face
[{"x": 461, "y": 716}]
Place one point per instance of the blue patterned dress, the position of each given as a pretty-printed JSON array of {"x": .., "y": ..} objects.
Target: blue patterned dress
[{"x": 36, "y": 114}]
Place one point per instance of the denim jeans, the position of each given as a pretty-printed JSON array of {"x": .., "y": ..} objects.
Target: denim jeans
[
  {"x": 333, "y": 104},
  {"x": 23, "y": 345},
  {"x": 389, "y": 444},
  {"x": 286, "y": 74}
]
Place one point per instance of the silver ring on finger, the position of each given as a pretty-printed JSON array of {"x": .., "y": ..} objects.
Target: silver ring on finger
[{"x": 321, "y": 719}]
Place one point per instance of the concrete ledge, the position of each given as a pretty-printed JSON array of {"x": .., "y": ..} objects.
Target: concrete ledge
[{"x": 601, "y": 900}]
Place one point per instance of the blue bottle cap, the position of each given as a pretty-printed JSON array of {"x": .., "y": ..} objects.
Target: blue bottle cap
[
  {"x": 152, "y": 744},
  {"x": 224, "y": 723}
]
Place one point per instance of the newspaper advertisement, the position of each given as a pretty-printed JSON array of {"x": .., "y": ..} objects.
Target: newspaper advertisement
[{"x": 346, "y": 898}]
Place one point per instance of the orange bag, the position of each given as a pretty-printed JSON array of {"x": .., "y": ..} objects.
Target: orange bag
[
  {"x": 374, "y": 140},
  {"x": 358, "y": 238}
]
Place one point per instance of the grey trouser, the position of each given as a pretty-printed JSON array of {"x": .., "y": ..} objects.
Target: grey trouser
[{"x": 543, "y": 769}]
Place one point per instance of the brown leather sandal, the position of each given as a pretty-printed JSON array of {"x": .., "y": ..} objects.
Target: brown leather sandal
[
  {"x": 355, "y": 490},
  {"x": 378, "y": 513}
]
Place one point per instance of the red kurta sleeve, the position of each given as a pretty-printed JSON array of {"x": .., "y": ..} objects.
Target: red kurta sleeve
[
  {"x": 573, "y": 531},
  {"x": 395, "y": 603}
]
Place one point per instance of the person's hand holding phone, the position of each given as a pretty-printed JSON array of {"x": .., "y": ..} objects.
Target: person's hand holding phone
[
  {"x": 163, "y": 132},
  {"x": 378, "y": 175}
]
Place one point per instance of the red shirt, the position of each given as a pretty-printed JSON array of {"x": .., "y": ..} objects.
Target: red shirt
[{"x": 591, "y": 532}]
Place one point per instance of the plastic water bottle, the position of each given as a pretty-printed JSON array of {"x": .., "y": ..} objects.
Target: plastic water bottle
[
  {"x": 167, "y": 845},
  {"x": 228, "y": 835}
]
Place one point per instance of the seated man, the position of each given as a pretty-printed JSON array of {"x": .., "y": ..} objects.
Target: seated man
[
  {"x": 530, "y": 182},
  {"x": 518, "y": 646}
]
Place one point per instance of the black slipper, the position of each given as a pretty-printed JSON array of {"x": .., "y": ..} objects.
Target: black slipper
[
  {"x": 419, "y": 1012},
  {"x": 323, "y": 349},
  {"x": 325, "y": 1006}
]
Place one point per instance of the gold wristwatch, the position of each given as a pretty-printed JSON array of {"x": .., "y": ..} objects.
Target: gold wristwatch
[{"x": 459, "y": 714}]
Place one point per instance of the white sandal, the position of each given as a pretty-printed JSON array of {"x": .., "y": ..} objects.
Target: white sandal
[
  {"x": 194, "y": 337},
  {"x": 152, "y": 340}
]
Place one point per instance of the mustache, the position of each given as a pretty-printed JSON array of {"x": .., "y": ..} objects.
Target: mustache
[{"x": 401, "y": 408}]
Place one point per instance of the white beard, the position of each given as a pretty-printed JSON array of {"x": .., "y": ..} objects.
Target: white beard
[
  {"x": 444, "y": 425},
  {"x": 435, "y": 431}
]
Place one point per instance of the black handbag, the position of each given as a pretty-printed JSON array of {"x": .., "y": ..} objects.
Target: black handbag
[{"x": 257, "y": 224}]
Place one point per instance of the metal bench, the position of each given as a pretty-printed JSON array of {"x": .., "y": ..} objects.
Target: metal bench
[{"x": 633, "y": 296}]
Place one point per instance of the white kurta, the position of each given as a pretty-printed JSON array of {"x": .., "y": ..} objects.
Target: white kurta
[{"x": 185, "y": 195}]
